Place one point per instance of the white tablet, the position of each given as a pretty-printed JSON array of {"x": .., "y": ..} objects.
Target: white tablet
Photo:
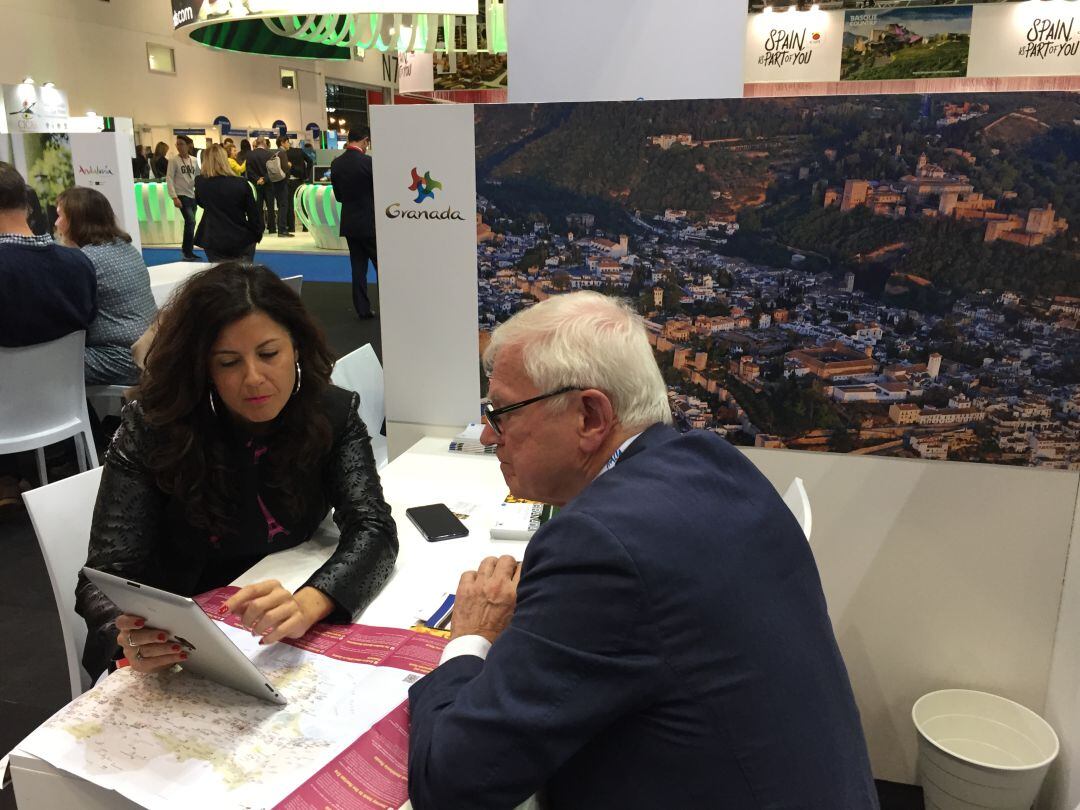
[{"x": 211, "y": 653}]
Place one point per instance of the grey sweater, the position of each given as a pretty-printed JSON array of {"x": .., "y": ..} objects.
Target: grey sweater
[{"x": 181, "y": 176}]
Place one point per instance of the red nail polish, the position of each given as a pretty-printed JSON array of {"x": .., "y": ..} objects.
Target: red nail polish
[
  {"x": 176, "y": 648},
  {"x": 140, "y": 622},
  {"x": 223, "y": 609},
  {"x": 183, "y": 656},
  {"x": 160, "y": 636}
]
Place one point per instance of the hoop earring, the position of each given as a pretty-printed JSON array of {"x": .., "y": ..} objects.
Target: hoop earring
[
  {"x": 299, "y": 374},
  {"x": 213, "y": 409}
]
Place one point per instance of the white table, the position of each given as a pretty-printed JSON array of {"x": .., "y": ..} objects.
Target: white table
[
  {"x": 426, "y": 473},
  {"x": 164, "y": 278}
]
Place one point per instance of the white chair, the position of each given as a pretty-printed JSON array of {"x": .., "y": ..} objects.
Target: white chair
[
  {"x": 61, "y": 515},
  {"x": 799, "y": 503},
  {"x": 107, "y": 400},
  {"x": 295, "y": 282},
  {"x": 43, "y": 400},
  {"x": 360, "y": 371}
]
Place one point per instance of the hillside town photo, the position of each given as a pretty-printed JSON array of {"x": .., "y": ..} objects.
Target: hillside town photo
[{"x": 895, "y": 276}]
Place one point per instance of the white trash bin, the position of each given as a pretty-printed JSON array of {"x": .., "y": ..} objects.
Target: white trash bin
[{"x": 978, "y": 751}]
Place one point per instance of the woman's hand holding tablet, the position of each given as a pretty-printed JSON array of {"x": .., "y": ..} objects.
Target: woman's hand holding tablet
[{"x": 147, "y": 649}]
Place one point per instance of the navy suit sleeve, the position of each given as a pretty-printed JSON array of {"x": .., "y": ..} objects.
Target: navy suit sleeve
[
  {"x": 576, "y": 657},
  {"x": 339, "y": 181}
]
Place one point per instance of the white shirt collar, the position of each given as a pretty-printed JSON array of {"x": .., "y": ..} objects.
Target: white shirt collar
[{"x": 611, "y": 462}]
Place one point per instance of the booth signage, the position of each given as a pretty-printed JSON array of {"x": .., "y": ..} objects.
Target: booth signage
[
  {"x": 416, "y": 72},
  {"x": 30, "y": 108},
  {"x": 1025, "y": 39},
  {"x": 906, "y": 43},
  {"x": 102, "y": 161},
  {"x": 192, "y": 12},
  {"x": 425, "y": 187},
  {"x": 185, "y": 12},
  {"x": 794, "y": 46}
]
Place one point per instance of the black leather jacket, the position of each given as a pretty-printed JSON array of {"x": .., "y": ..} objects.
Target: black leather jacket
[{"x": 140, "y": 532}]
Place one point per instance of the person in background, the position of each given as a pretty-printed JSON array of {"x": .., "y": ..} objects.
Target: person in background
[
  {"x": 354, "y": 188},
  {"x": 281, "y": 188},
  {"x": 666, "y": 634},
  {"x": 231, "y": 224},
  {"x": 125, "y": 303},
  {"x": 245, "y": 150},
  {"x": 181, "y": 180},
  {"x": 237, "y": 447},
  {"x": 37, "y": 219},
  {"x": 300, "y": 167},
  {"x": 160, "y": 163},
  {"x": 140, "y": 166},
  {"x": 48, "y": 291},
  {"x": 309, "y": 150},
  {"x": 255, "y": 170},
  {"x": 230, "y": 152}
]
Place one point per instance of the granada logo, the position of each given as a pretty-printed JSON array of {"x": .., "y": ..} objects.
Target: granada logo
[
  {"x": 423, "y": 186},
  {"x": 395, "y": 211}
]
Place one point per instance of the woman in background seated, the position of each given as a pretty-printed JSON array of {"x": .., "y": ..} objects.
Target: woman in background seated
[
  {"x": 231, "y": 224},
  {"x": 125, "y": 303},
  {"x": 236, "y": 448}
]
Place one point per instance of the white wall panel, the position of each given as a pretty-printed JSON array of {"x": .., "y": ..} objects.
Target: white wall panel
[
  {"x": 1063, "y": 695},
  {"x": 566, "y": 50}
]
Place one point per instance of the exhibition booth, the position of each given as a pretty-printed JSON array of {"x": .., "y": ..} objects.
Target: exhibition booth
[{"x": 852, "y": 234}]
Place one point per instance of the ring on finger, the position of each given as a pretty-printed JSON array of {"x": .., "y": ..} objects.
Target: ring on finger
[
  {"x": 130, "y": 642},
  {"x": 138, "y": 655}
]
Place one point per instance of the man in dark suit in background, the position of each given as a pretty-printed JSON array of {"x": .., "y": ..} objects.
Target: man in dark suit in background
[
  {"x": 351, "y": 177},
  {"x": 665, "y": 641},
  {"x": 264, "y": 186},
  {"x": 300, "y": 166}
]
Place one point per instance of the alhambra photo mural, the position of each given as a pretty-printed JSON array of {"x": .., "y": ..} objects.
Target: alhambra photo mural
[{"x": 895, "y": 275}]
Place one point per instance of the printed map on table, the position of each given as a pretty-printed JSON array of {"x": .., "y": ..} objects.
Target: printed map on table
[{"x": 341, "y": 742}]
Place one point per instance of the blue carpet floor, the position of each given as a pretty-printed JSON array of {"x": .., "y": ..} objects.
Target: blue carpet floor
[{"x": 331, "y": 267}]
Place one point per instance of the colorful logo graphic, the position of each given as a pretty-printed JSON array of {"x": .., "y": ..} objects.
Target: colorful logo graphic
[{"x": 423, "y": 186}]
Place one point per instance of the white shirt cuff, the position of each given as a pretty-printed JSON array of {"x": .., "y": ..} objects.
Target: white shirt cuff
[{"x": 466, "y": 645}]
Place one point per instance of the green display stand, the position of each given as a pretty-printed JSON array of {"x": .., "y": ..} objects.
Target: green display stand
[
  {"x": 160, "y": 222},
  {"x": 319, "y": 211}
]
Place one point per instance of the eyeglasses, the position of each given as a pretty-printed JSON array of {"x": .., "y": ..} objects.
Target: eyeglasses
[{"x": 492, "y": 414}]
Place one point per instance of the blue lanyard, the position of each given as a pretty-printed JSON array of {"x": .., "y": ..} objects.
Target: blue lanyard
[{"x": 611, "y": 462}]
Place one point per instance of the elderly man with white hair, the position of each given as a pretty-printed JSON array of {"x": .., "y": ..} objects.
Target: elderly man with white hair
[{"x": 665, "y": 641}]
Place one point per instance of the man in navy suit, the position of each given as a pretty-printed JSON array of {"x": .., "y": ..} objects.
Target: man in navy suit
[
  {"x": 354, "y": 188},
  {"x": 665, "y": 641}
]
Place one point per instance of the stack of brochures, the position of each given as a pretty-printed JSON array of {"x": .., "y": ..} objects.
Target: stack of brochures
[
  {"x": 468, "y": 441},
  {"x": 519, "y": 519}
]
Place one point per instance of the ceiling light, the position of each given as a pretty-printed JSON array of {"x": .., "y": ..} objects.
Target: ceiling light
[
  {"x": 48, "y": 84},
  {"x": 28, "y": 80}
]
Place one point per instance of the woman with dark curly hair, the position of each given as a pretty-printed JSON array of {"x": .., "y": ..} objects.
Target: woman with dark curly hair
[{"x": 236, "y": 448}]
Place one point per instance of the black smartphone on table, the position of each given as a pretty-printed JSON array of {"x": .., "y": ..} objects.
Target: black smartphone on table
[{"x": 436, "y": 522}]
